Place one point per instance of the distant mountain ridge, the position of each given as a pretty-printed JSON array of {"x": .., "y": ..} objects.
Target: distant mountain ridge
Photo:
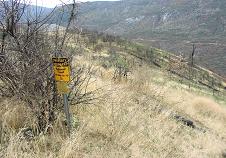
[
  {"x": 193, "y": 19},
  {"x": 173, "y": 25},
  {"x": 167, "y": 24}
]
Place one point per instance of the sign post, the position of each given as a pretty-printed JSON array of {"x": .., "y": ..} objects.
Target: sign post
[
  {"x": 67, "y": 111},
  {"x": 62, "y": 77}
]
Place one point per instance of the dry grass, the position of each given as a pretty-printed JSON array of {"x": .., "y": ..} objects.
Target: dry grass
[
  {"x": 15, "y": 115},
  {"x": 132, "y": 121},
  {"x": 209, "y": 108}
]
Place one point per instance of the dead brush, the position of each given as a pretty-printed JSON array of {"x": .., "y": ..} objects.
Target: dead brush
[{"x": 123, "y": 124}]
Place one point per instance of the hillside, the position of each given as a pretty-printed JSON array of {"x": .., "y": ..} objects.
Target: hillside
[
  {"x": 149, "y": 112},
  {"x": 167, "y": 24},
  {"x": 67, "y": 92}
]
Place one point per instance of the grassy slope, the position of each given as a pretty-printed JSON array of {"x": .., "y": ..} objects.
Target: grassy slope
[{"x": 133, "y": 119}]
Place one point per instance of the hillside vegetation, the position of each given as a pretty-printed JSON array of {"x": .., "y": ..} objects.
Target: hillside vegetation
[
  {"x": 167, "y": 24},
  {"x": 126, "y": 99},
  {"x": 141, "y": 110}
]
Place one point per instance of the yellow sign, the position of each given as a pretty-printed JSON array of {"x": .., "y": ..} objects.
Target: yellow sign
[
  {"x": 61, "y": 69},
  {"x": 62, "y": 88}
]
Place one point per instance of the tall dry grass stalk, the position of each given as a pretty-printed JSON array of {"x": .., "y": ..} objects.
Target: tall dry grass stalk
[{"x": 132, "y": 121}]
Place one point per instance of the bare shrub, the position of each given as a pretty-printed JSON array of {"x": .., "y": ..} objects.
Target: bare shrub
[
  {"x": 25, "y": 59},
  {"x": 81, "y": 93},
  {"x": 122, "y": 68}
]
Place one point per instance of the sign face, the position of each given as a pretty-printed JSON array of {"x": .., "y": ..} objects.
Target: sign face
[
  {"x": 61, "y": 69},
  {"x": 62, "y": 88}
]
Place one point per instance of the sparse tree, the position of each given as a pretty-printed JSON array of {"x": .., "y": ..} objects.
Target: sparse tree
[{"x": 93, "y": 39}]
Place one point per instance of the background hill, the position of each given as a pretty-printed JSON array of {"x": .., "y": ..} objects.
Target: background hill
[{"x": 167, "y": 24}]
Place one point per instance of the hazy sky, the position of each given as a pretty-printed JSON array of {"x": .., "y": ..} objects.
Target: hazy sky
[{"x": 53, "y": 3}]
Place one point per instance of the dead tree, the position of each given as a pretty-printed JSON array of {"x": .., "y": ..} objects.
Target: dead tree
[{"x": 191, "y": 64}]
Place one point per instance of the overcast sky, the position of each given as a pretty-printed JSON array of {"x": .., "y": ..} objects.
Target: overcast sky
[{"x": 53, "y": 3}]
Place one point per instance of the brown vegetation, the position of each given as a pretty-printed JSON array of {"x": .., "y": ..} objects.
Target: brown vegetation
[{"x": 133, "y": 120}]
